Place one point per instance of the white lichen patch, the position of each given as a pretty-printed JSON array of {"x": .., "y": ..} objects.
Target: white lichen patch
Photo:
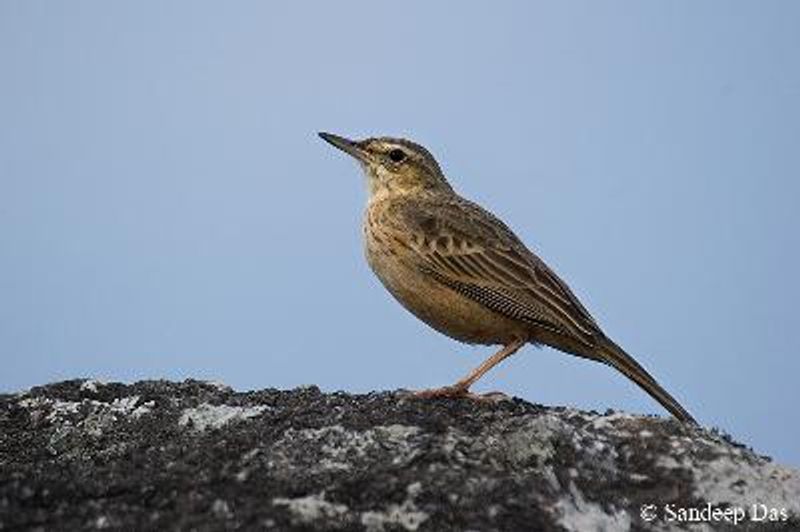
[
  {"x": 129, "y": 406},
  {"x": 142, "y": 409},
  {"x": 59, "y": 411},
  {"x": 574, "y": 512},
  {"x": 90, "y": 385},
  {"x": 611, "y": 422},
  {"x": 338, "y": 445},
  {"x": 221, "y": 509},
  {"x": 338, "y": 448},
  {"x": 723, "y": 474},
  {"x": 596, "y": 437},
  {"x": 312, "y": 507},
  {"x": 735, "y": 477},
  {"x": 533, "y": 440},
  {"x": 405, "y": 515},
  {"x": 208, "y": 416},
  {"x": 88, "y": 416}
]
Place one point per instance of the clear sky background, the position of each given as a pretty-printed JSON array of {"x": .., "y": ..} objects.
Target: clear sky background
[{"x": 167, "y": 210}]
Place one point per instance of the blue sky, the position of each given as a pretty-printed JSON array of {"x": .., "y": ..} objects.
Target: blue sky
[{"x": 167, "y": 211}]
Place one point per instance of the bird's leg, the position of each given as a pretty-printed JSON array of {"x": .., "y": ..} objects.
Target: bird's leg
[
  {"x": 461, "y": 388},
  {"x": 488, "y": 364}
]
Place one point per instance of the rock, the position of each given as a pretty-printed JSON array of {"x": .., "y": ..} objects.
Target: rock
[{"x": 159, "y": 455}]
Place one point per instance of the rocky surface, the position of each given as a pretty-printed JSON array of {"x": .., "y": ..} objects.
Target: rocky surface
[{"x": 176, "y": 456}]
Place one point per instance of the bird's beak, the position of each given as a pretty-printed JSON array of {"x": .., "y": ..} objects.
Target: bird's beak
[{"x": 346, "y": 145}]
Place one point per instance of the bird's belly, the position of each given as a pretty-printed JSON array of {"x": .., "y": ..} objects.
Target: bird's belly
[{"x": 437, "y": 305}]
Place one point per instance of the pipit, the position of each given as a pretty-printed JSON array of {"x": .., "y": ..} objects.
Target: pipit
[{"x": 462, "y": 271}]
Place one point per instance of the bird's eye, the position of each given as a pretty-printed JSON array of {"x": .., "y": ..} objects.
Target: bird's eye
[{"x": 397, "y": 155}]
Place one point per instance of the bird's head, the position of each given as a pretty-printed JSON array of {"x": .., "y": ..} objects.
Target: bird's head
[{"x": 394, "y": 166}]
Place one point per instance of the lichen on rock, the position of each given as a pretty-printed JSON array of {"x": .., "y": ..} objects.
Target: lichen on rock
[{"x": 162, "y": 455}]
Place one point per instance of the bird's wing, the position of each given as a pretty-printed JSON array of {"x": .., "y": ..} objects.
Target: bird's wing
[{"x": 468, "y": 249}]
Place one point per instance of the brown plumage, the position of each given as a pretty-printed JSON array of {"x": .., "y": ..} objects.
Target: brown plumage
[{"x": 462, "y": 271}]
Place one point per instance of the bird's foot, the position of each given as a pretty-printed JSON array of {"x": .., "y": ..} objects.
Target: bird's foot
[
  {"x": 450, "y": 392},
  {"x": 460, "y": 392}
]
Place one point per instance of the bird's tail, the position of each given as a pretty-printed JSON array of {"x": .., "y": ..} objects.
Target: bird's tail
[{"x": 615, "y": 356}]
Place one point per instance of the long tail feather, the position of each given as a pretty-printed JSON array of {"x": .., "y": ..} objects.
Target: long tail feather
[{"x": 615, "y": 356}]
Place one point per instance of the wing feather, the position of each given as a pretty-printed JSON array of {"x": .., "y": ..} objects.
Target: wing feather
[{"x": 469, "y": 250}]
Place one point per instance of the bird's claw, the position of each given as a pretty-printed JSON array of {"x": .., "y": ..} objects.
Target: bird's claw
[
  {"x": 459, "y": 392},
  {"x": 450, "y": 392}
]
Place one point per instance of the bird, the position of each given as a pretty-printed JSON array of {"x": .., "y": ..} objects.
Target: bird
[{"x": 463, "y": 271}]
